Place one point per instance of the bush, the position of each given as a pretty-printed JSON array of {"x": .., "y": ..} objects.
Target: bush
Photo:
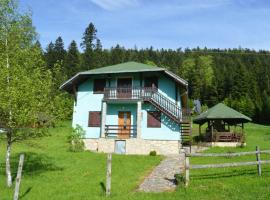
[
  {"x": 75, "y": 139},
  {"x": 153, "y": 153},
  {"x": 179, "y": 179}
]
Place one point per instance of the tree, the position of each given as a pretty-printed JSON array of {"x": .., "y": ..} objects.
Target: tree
[
  {"x": 89, "y": 37},
  {"x": 88, "y": 45},
  {"x": 72, "y": 60},
  {"x": 25, "y": 85},
  {"x": 59, "y": 49},
  {"x": 50, "y": 56}
]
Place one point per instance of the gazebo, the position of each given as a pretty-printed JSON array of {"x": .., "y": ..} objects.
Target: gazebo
[{"x": 219, "y": 119}]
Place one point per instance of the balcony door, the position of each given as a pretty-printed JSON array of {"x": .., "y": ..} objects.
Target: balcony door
[
  {"x": 124, "y": 124},
  {"x": 124, "y": 88}
]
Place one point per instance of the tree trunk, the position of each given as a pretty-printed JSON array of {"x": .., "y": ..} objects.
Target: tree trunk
[{"x": 8, "y": 170}]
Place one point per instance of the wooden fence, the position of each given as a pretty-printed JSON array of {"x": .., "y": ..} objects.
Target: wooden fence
[{"x": 258, "y": 161}]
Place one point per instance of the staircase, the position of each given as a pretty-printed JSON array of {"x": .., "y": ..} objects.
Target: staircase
[{"x": 174, "y": 112}]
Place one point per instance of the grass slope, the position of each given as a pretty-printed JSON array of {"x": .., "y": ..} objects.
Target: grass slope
[{"x": 52, "y": 172}]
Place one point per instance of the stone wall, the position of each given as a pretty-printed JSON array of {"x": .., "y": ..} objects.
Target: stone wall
[{"x": 134, "y": 146}]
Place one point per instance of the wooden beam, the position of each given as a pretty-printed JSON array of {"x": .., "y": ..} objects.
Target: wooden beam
[
  {"x": 176, "y": 93},
  {"x": 258, "y": 158},
  {"x": 18, "y": 178},
  {"x": 108, "y": 174},
  {"x": 229, "y": 164},
  {"x": 228, "y": 154},
  {"x": 74, "y": 88}
]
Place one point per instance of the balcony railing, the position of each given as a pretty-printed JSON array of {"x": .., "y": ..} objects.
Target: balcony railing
[
  {"x": 128, "y": 92},
  {"x": 150, "y": 94},
  {"x": 121, "y": 131}
]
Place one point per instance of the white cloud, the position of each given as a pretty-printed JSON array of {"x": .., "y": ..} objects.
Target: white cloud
[{"x": 112, "y": 5}]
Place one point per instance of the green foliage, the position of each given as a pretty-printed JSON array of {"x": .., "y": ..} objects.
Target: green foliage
[
  {"x": 152, "y": 153},
  {"x": 179, "y": 179},
  {"x": 243, "y": 105},
  {"x": 75, "y": 139}
]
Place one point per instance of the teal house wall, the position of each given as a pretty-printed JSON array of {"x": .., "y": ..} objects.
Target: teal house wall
[{"x": 87, "y": 101}]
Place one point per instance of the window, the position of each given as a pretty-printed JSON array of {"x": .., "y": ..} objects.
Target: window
[
  {"x": 153, "y": 119},
  {"x": 94, "y": 119},
  {"x": 151, "y": 82},
  {"x": 99, "y": 85}
]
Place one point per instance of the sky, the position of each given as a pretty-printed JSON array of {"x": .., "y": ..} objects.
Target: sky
[{"x": 158, "y": 23}]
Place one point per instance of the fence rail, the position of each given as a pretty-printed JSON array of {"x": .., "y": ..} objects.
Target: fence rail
[{"x": 258, "y": 161}]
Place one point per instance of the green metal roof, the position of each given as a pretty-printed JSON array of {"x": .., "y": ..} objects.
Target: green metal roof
[
  {"x": 124, "y": 67},
  {"x": 221, "y": 111},
  {"x": 127, "y": 67}
]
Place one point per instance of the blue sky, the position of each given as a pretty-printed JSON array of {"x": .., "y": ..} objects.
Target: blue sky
[{"x": 157, "y": 23}]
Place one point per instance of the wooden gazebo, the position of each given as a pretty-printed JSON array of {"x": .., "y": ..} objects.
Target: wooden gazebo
[{"x": 219, "y": 119}]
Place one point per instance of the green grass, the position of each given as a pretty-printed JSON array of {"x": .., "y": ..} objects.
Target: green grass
[{"x": 53, "y": 172}]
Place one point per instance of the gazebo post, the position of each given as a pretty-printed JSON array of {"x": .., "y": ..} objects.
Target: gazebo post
[{"x": 211, "y": 123}]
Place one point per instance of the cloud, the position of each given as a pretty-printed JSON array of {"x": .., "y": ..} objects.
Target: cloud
[{"x": 112, "y": 5}]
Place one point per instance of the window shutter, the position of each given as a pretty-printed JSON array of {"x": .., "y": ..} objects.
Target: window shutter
[
  {"x": 154, "y": 119},
  {"x": 94, "y": 119}
]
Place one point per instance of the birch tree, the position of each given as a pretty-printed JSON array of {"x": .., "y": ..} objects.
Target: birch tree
[{"x": 25, "y": 84}]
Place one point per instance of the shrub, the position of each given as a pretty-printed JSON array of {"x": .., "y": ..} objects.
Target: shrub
[
  {"x": 179, "y": 179},
  {"x": 153, "y": 153},
  {"x": 75, "y": 139}
]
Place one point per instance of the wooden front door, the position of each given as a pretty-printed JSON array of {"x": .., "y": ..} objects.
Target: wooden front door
[
  {"x": 124, "y": 123},
  {"x": 124, "y": 86}
]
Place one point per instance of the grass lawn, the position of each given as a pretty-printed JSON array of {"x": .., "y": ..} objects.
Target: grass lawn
[{"x": 52, "y": 172}]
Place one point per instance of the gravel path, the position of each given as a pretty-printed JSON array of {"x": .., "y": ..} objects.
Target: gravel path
[{"x": 162, "y": 177}]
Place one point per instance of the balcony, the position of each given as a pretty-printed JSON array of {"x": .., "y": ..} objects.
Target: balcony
[
  {"x": 121, "y": 131},
  {"x": 130, "y": 93},
  {"x": 151, "y": 95}
]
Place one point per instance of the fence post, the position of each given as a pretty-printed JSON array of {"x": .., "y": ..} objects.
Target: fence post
[
  {"x": 18, "y": 178},
  {"x": 108, "y": 175},
  {"x": 186, "y": 169},
  {"x": 258, "y": 158}
]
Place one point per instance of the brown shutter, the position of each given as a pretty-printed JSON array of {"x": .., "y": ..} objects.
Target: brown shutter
[
  {"x": 94, "y": 119},
  {"x": 154, "y": 119}
]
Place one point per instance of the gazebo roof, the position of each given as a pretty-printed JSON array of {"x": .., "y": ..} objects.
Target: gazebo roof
[{"x": 221, "y": 112}]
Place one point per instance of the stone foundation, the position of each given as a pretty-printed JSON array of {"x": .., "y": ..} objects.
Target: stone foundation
[
  {"x": 225, "y": 144},
  {"x": 134, "y": 146}
]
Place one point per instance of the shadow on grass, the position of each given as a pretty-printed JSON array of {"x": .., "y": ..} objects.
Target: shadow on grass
[
  {"x": 33, "y": 164},
  {"x": 103, "y": 188},
  {"x": 25, "y": 193},
  {"x": 234, "y": 173}
]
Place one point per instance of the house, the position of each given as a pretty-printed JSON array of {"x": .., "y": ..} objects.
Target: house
[{"x": 131, "y": 108}]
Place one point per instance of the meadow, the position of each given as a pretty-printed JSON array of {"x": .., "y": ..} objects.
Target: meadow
[{"x": 51, "y": 171}]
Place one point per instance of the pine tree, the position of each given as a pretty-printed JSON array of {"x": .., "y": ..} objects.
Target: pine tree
[
  {"x": 88, "y": 45},
  {"x": 89, "y": 37},
  {"x": 59, "y": 50},
  {"x": 50, "y": 56},
  {"x": 72, "y": 60}
]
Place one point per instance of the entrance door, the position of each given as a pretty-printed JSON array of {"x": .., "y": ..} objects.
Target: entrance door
[
  {"x": 124, "y": 86},
  {"x": 124, "y": 123}
]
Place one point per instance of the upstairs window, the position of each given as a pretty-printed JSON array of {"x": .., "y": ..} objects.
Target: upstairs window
[
  {"x": 94, "y": 119},
  {"x": 99, "y": 85},
  {"x": 151, "y": 82},
  {"x": 153, "y": 119}
]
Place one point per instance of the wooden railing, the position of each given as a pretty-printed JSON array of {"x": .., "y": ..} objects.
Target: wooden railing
[
  {"x": 123, "y": 130},
  {"x": 258, "y": 161},
  {"x": 151, "y": 95}
]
